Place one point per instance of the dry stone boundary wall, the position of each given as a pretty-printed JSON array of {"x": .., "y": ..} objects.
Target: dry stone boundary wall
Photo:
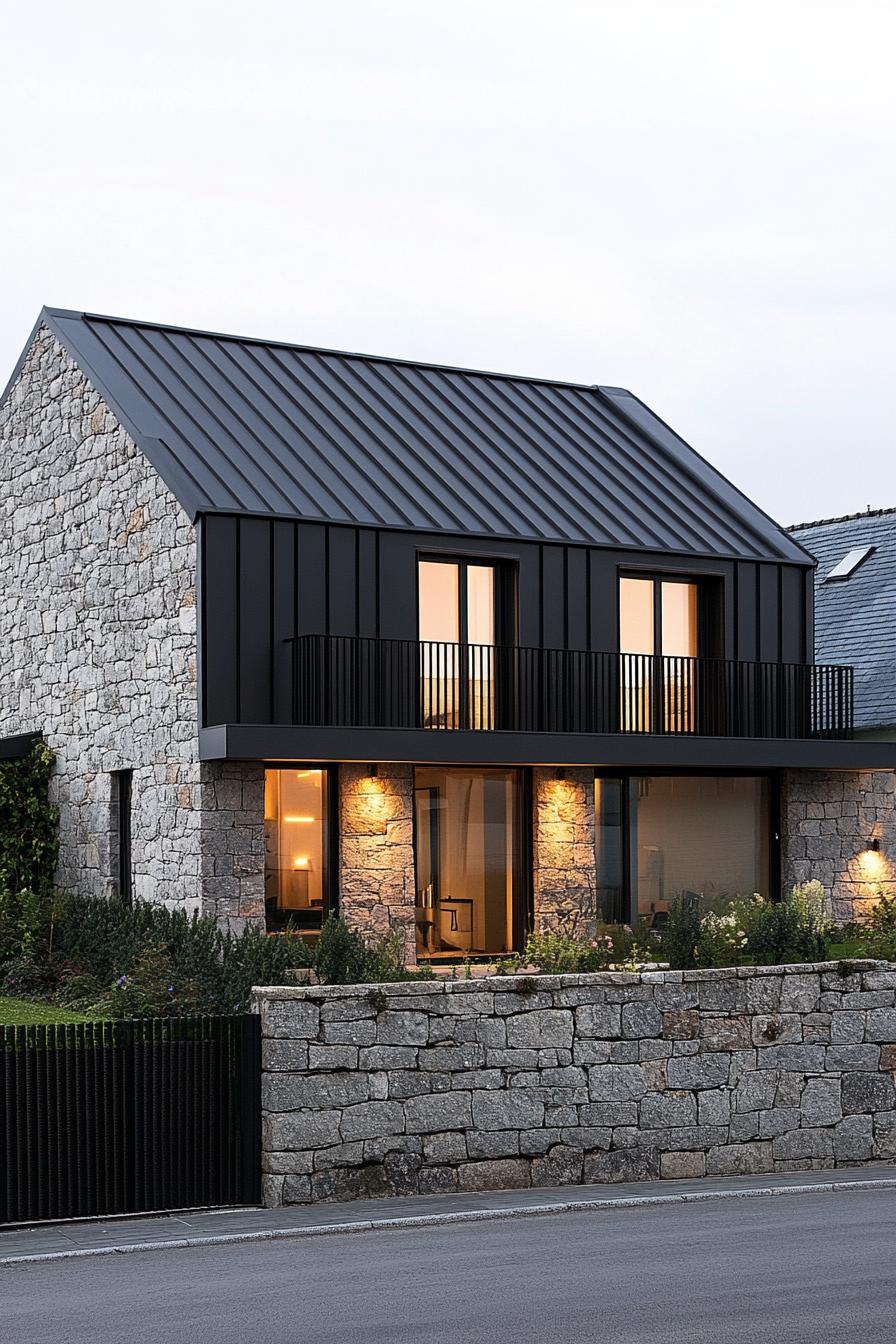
[{"x": 528, "y": 1081}]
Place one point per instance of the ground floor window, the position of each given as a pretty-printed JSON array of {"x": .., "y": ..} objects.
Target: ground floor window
[
  {"x": 297, "y": 847},
  {"x": 469, "y": 881},
  {"x": 660, "y": 838}
]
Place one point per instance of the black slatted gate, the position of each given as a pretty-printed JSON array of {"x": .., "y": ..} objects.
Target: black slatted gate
[{"x": 127, "y": 1117}]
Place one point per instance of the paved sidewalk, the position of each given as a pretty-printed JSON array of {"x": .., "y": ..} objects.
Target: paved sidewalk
[{"x": 50, "y": 1241}]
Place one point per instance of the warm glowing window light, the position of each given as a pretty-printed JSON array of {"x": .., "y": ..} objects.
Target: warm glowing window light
[{"x": 304, "y": 819}]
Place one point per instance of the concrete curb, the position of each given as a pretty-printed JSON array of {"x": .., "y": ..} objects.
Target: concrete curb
[{"x": 446, "y": 1219}]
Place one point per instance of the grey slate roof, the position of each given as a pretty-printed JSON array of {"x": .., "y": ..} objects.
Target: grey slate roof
[
  {"x": 855, "y": 618},
  {"x": 262, "y": 427}
]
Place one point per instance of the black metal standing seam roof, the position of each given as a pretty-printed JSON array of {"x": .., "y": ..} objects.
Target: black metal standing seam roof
[
  {"x": 855, "y": 618},
  {"x": 261, "y": 427}
]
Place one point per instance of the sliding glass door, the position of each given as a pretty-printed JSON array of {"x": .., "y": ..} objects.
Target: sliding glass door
[
  {"x": 705, "y": 839},
  {"x": 469, "y": 863}
]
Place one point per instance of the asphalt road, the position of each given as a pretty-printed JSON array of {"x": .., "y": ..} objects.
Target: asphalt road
[{"x": 793, "y": 1270}]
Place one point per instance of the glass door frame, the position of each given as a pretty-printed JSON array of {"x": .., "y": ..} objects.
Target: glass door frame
[
  {"x": 629, "y": 913},
  {"x": 505, "y": 620},
  {"x": 522, "y": 860},
  {"x": 710, "y": 636}
]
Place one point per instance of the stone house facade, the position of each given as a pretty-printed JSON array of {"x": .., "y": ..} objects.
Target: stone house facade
[{"x": 456, "y": 654}]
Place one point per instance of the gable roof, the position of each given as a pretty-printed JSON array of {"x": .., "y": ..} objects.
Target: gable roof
[
  {"x": 242, "y": 425},
  {"x": 855, "y": 617}
]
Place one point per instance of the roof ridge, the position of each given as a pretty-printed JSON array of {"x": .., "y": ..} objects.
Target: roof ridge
[
  {"x": 322, "y": 349},
  {"x": 844, "y": 518}
]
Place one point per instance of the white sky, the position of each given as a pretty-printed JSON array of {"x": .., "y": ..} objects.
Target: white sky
[{"x": 692, "y": 200}]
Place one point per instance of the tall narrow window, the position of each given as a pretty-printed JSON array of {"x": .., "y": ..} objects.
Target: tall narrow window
[
  {"x": 122, "y": 781},
  {"x": 458, "y": 624},
  {"x": 659, "y": 638},
  {"x": 296, "y": 861}
]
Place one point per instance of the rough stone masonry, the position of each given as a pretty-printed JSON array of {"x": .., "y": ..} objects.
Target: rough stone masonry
[{"x": 426, "y": 1087}]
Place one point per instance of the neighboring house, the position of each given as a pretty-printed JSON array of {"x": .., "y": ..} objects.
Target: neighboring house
[
  {"x": 855, "y": 608},
  {"x": 456, "y": 653}
]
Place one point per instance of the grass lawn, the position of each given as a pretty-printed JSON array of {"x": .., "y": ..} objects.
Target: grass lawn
[
  {"x": 846, "y": 951},
  {"x": 24, "y": 1013}
]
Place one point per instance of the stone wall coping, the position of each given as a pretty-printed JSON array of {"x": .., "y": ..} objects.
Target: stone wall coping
[{"x": 508, "y": 984}]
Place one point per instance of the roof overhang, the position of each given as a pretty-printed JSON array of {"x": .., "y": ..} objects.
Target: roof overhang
[{"x": 644, "y": 752}]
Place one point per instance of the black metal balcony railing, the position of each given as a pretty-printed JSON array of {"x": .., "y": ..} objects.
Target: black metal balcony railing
[{"x": 341, "y": 681}]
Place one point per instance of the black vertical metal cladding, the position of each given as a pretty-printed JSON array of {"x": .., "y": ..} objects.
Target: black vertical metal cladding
[{"x": 126, "y": 1117}]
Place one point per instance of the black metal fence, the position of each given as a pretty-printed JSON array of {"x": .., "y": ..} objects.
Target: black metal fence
[
  {"x": 342, "y": 681},
  {"x": 127, "y": 1117}
]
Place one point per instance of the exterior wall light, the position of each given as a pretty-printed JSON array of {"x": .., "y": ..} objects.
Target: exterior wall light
[{"x": 874, "y": 846}]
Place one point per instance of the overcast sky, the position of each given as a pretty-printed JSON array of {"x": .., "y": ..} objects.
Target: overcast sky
[{"x": 692, "y": 200}]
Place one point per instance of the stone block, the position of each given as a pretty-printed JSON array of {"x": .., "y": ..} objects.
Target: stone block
[
  {"x": 853, "y": 1058},
  {"x": 506, "y": 1110},
  {"x": 880, "y": 1025},
  {"x": 867, "y": 1093},
  {"x": 847, "y": 1027},
  {"x": 820, "y": 1103},
  {"x": 432, "y": 1114},
  {"x": 291, "y": 1018},
  {"x": 387, "y": 1057},
  {"x": 437, "y": 1181},
  {"x": 540, "y": 1028},
  {"x": 358, "y": 1032},
  {"x": 600, "y": 1020},
  {"x": 332, "y": 1056},
  {"x": 885, "y": 1135},
  {"x": 802, "y": 1143},
  {"x": 483, "y": 1143},
  {"x": 608, "y": 1113},
  {"x": 800, "y": 993},
  {"x": 756, "y": 1091},
  {"x": 300, "y": 1131},
  {"x": 616, "y": 1082},
  {"x": 502, "y": 1174},
  {"x": 560, "y": 1165},
  {"x": 682, "y": 1166},
  {"x": 323, "y": 1092},
  {"x": 663, "y": 1110},
  {"x": 640, "y": 1020},
  {"x": 638, "y": 1163},
  {"x": 372, "y": 1119},
  {"x": 795, "y": 1058},
  {"x": 778, "y": 1121},
  {"x": 401, "y": 1028},
  {"x": 697, "y": 1071},
  {"x": 445, "y": 1148},
  {"x": 725, "y": 1033},
  {"x": 739, "y": 1159},
  {"x": 681, "y": 1024},
  {"x": 714, "y": 1106},
  {"x": 776, "y": 1029},
  {"x": 854, "y": 1139},
  {"x": 282, "y": 1056}
]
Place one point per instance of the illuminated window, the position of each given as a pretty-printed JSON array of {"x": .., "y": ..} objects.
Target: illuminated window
[
  {"x": 296, "y": 832},
  {"x": 658, "y": 620},
  {"x": 457, "y": 606}
]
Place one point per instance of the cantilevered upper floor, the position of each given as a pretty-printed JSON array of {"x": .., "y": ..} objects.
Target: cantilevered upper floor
[{"x": 405, "y": 561}]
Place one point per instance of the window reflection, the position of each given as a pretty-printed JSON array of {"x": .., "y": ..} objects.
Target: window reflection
[{"x": 295, "y": 829}]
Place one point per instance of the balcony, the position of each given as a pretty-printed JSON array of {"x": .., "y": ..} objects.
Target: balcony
[{"x": 345, "y": 682}]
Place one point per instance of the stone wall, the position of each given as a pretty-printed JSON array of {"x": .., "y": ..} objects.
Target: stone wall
[
  {"x": 98, "y": 628},
  {"x": 231, "y": 842},
  {"x": 563, "y": 877},
  {"x": 377, "y": 881},
  {"x": 829, "y": 819},
  {"x": 426, "y": 1087}
]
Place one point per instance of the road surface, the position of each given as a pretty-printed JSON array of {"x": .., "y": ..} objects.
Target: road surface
[{"x": 788, "y": 1270}]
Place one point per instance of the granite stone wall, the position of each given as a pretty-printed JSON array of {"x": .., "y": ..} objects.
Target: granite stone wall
[
  {"x": 377, "y": 881},
  {"x": 563, "y": 876},
  {"x": 98, "y": 629},
  {"x": 426, "y": 1087},
  {"x": 829, "y": 819}
]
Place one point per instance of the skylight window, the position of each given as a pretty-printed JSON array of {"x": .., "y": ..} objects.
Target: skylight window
[{"x": 849, "y": 564}]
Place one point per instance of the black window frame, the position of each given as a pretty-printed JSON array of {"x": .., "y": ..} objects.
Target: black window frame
[
  {"x": 505, "y": 595},
  {"x": 629, "y": 913},
  {"x": 330, "y": 904},
  {"x": 710, "y": 586},
  {"x": 122, "y": 797}
]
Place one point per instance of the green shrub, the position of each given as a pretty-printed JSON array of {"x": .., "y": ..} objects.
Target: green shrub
[
  {"x": 343, "y": 957},
  {"x": 556, "y": 952},
  {"x": 879, "y": 931},
  {"x": 680, "y": 938},
  {"x": 29, "y": 845},
  {"x": 794, "y": 929}
]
